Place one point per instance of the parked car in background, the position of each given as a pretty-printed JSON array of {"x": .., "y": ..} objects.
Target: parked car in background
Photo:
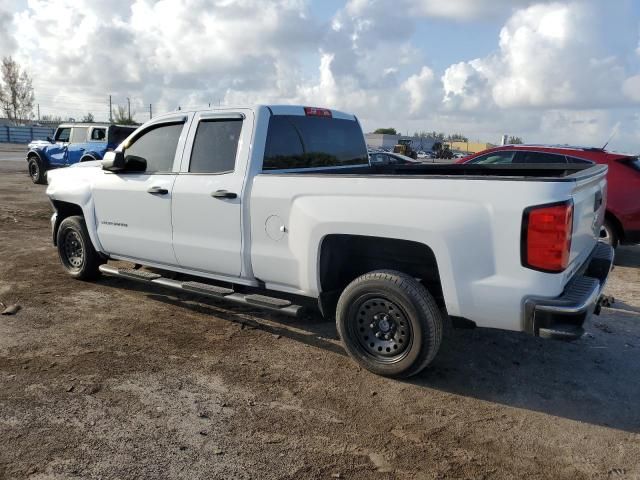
[
  {"x": 73, "y": 143},
  {"x": 622, "y": 217},
  {"x": 382, "y": 158}
]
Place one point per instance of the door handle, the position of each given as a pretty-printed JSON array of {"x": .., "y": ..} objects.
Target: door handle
[
  {"x": 223, "y": 194},
  {"x": 157, "y": 191}
]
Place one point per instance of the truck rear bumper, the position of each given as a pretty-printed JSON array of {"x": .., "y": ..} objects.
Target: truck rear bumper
[{"x": 562, "y": 317}]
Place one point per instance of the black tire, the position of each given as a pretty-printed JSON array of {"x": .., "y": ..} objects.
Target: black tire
[
  {"x": 37, "y": 171},
  {"x": 389, "y": 323},
  {"x": 77, "y": 254},
  {"x": 609, "y": 234}
]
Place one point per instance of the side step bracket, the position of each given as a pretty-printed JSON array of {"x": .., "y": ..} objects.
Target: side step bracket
[{"x": 207, "y": 290}]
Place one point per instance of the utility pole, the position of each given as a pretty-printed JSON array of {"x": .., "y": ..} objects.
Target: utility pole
[
  {"x": 150, "y": 112},
  {"x": 38, "y": 112},
  {"x": 110, "y": 110},
  {"x": 129, "y": 108}
]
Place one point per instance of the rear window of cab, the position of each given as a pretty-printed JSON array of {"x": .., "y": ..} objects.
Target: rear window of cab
[{"x": 304, "y": 142}]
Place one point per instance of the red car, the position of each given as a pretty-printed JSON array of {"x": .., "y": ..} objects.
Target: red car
[{"x": 622, "y": 221}]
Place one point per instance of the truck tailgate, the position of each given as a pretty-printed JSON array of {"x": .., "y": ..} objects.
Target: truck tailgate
[{"x": 589, "y": 202}]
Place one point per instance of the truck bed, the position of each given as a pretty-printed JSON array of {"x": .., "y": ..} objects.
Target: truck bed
[{"x": 538, "y": 172}]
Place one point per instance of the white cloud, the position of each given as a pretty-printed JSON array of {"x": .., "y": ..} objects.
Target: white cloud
[
  {"x": 421, "y": 88},
  {"x": 561, "y": 71},
  {"x": 7, "y": 42}
]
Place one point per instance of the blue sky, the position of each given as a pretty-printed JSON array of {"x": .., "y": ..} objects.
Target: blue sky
[{"x": 548, "y": 71}]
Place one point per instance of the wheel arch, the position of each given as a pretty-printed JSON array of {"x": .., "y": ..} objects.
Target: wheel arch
[
  {"x": 64, "y": 210},
  {"x": 344, "y": 257},
  {"x": 613, "y": 220},
  {"x": 38, "y": 154},
  {"x": 89, "y": 157}
]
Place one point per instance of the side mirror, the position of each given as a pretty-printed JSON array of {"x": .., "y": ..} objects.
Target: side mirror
[
  {"x": 118, "y": 162},
  {"x": 113, "y": 161},
  {"x": 50, "y": 140}
]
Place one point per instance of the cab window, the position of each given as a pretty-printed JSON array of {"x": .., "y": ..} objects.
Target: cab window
[
  {"x": 157, "y": 146},
  {"x": 215, "y": 146},
  {"x": 63, "y": 134}
]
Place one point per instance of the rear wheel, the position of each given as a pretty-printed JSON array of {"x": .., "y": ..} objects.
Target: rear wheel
[
  {"x": 389, "y": 323},
  {"x": 608, "y": 234},
  {"x": 76, "y": 252},
  {"x": 37, "y": 172}
]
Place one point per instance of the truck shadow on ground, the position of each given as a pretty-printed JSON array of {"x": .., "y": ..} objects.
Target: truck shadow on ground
[
  {"x": 628, "y": 256},
  {"x": 593, "y": 380}
]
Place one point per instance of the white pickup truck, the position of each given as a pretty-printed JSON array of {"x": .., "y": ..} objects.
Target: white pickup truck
[{"x": 274, "y": 206}]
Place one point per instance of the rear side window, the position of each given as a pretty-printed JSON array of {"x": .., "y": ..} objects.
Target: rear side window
[
  {"x": 539, "y": 157},
  {"x": 494, "y": 158},
  {"x": 79, "y": 134},
  {"x": 295, "y": 141},
  {"x": 157, "y": 146},
  {"x": 215, "y": 146},
  {"x": 98, "y": 134}
]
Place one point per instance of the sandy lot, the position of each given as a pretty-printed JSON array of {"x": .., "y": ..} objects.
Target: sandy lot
[{"x": 114, "y": 380}]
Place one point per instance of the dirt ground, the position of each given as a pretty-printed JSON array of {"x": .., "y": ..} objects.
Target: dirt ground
[{"x": 116, "y": 380}]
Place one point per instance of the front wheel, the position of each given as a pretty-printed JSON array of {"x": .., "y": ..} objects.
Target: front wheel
[
  {"x": 76, "y": 252},
  {"x": 37, "y": 171},
  {"x": 389, "y": 323}
]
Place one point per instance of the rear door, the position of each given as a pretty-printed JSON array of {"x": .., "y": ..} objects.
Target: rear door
[
  {"x": 208, "y": 193},
  {"x": 78, "y": 144}
]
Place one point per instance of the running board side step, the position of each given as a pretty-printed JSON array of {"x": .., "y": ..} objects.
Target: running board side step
[{"x": 213, "y": 291}]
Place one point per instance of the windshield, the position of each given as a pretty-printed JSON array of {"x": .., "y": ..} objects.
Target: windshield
[{"x": 633, "y": 162}]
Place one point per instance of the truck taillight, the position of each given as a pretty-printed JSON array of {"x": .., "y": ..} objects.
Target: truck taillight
[
  {"x": 317, "y": 112},
  {"x": 546, "y": 237}
]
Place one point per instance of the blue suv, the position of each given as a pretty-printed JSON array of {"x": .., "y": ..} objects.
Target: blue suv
[{"x": 73, "y": 143}]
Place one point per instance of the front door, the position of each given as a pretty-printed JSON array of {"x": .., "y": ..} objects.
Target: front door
[
  {"x": 207, "y": 195},
  {"x": 57, "y": 153},
  {"x": 133, "y": 210}
]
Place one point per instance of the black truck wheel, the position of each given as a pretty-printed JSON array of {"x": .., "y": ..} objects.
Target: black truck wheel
[
  {"x": 37, "y": 172},
  {"x": 76, "y": 252},
  {"x": 389, "y": 323}
]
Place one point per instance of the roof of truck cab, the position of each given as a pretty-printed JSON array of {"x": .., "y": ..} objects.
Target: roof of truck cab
[
  {"x": 94, "y": 124},
  {"x": 275, "y": 109}
]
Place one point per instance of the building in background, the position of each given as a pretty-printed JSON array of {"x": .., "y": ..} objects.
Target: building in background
[
  {"x": 383, "y": 140},
  {"x": 470, "y": 147}
]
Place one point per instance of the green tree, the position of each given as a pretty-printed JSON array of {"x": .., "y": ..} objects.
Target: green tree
[
  {"x": 514, "y": 140},
  {"x": 16, "y": 91},
  {"x": 122, "y": 117},
  {"x": 88, "y": 118},
  {"x": 457, "y": 137},
  {"x": 51, "y": 118},
  {"x": 387, "y": 131}
]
